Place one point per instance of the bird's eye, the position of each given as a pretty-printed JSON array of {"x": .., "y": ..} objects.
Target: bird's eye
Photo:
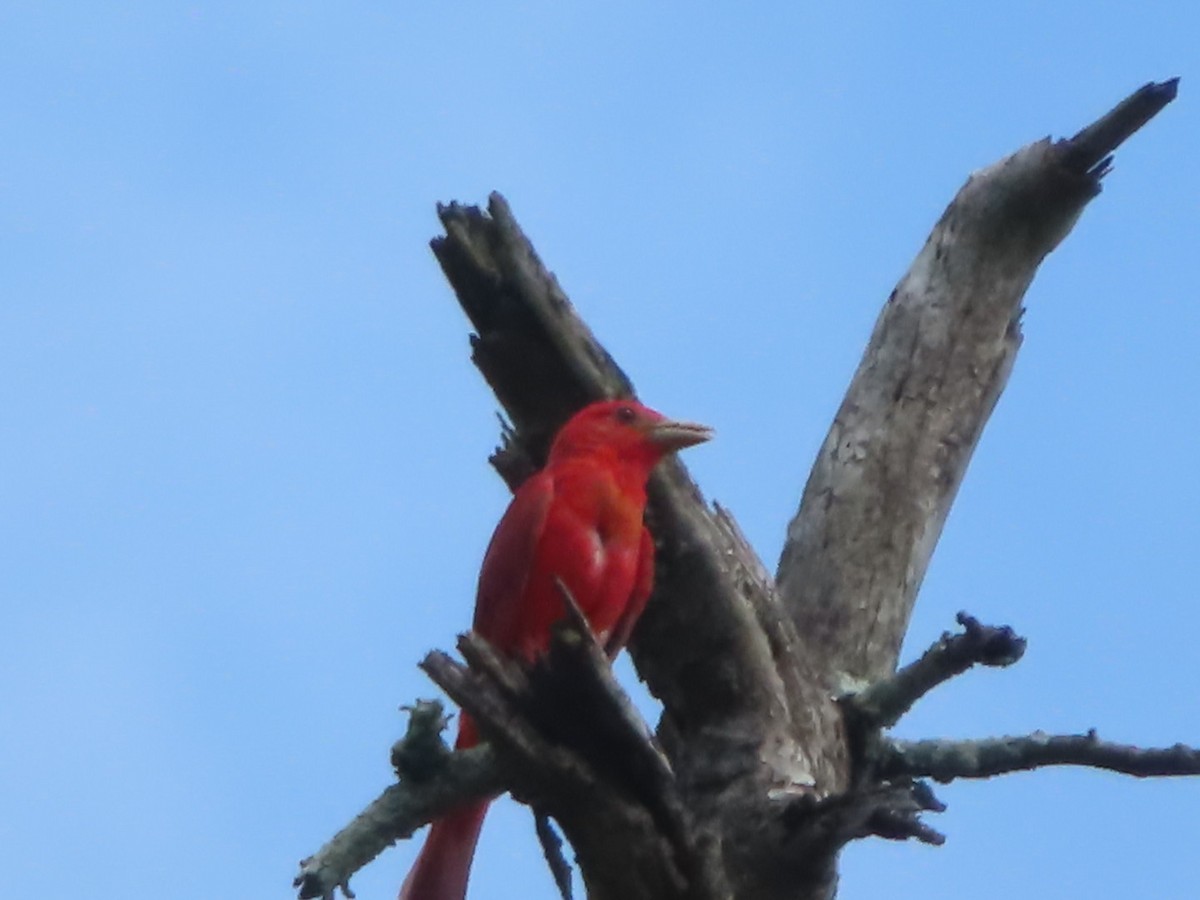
[{"x": 625, "y": 414}]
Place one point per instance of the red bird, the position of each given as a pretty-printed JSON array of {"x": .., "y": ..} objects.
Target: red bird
[{"x": 579, "y": 520}]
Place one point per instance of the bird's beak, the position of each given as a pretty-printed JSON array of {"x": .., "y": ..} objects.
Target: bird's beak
[{"x": 672, "y": 435}]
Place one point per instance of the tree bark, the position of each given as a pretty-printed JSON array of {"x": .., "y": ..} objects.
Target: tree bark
[{"x": 938, "y": 359}]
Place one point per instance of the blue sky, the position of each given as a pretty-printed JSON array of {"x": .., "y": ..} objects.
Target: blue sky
[{"x": 244, "y": 481}]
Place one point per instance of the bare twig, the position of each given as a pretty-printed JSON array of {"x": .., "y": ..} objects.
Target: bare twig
[
  {"x": 884, "y": 703},
  {"x": 551, "y": 843},
  {"x": 435, "y": 781},
  {"x": 946, "y": 760}
]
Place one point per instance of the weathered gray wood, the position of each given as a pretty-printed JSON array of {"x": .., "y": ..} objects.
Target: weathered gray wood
[
  {"x": 940, "y": 355},
  {"x": 946, "y": 760}
]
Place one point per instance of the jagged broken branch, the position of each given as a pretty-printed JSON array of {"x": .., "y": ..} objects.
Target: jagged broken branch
[
  {"x": 571, "y": 745},
  {"x": 890, "y": 810},
  {"x": 935, "y": 366}
]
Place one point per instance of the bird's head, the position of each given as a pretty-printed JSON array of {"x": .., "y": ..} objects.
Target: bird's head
[{"x": 626, "y": 430}]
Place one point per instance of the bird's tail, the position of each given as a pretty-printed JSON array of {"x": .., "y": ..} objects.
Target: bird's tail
[{"x": 444, "y": 863}]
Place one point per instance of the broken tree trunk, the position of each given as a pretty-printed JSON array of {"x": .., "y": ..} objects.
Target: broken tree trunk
[{"x": 775, "y": 692}]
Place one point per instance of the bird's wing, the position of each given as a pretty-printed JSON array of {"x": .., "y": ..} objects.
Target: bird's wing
[
  {"x": 642, "y": 586},
  {"x": 509, "y": 561}
]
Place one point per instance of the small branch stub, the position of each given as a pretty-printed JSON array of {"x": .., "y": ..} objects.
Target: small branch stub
[
  {"x": 884, "y": 703},
  {"x": 421, "y": 753}
]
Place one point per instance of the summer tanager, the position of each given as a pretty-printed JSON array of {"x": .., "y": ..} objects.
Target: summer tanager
[{"x": 578, "y": 521}]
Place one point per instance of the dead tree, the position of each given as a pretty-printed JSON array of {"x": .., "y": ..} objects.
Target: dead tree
[{"x": 773, "y": 749}]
